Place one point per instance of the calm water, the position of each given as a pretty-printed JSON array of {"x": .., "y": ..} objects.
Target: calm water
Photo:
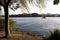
[{"x": 37, "y": 25}]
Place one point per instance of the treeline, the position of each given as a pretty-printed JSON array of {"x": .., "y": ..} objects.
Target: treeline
[
  {"x": 35, "y": 15},
  {"x": 26, "y": 15}
]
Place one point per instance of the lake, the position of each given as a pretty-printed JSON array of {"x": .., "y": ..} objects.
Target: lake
[{"x": 37, "y": 25}]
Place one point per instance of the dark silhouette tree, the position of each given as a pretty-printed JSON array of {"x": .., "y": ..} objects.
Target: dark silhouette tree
[{"x": 6, "y": 4}]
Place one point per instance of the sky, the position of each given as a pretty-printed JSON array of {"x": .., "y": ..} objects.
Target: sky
[{"x": 50, "y": 8}]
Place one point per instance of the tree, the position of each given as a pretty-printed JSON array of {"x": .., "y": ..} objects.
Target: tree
[
  {"x": 34, "y": 14},
  {"x": 56, "y": 2},
  {"x": 7, "y": 3}
]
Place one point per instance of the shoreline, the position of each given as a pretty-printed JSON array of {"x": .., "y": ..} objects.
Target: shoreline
[{"x": 19, "y": 35}]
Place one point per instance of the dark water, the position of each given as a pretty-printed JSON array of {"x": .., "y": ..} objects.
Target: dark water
[{"x": 37, "y": 25}]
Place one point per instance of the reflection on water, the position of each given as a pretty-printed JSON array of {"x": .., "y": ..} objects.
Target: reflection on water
[{"x": 37, "y": 24}]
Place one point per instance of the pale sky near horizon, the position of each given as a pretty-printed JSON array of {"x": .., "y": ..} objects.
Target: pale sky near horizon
[{"x": 50, "y": 8}]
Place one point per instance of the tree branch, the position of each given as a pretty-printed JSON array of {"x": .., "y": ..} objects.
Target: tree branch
[
  {"x": 1, "y": 4},
  {"x": 8, "y": 1},
  {"x": 5, "y": 1}
]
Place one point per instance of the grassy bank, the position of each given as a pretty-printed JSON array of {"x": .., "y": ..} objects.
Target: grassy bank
[{"x": 18, "y": 35}]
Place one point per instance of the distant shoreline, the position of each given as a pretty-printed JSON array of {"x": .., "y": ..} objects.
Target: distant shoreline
[{"x": 33, "y": 15}]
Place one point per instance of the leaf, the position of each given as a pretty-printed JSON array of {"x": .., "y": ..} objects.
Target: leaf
[
  {"x": 56, "y": 2},
  {"x": 24, "y": 4},
  {"x": 17, "y": 6},
  {"x": 41, "y": 2},
  {"x": 30, "y": 1}
]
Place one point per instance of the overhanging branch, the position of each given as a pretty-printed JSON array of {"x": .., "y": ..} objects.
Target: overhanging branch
[
  {"x": 1, "y": 4},
  {"x": 5, "y": 1},
  {"x": 8, "y": 1}
]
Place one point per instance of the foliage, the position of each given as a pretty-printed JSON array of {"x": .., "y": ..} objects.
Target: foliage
[
  {"x": 34, "y": 15},
  {"x": 56, "y": 1},
  {"x": 25, "y": 15},
  {"x": 54, "y": 35},
  {"x": 22, "y": 3},
  {"x": 12, "y": 23},
  {"x": 2, "y": 23},
  {"x": 41, "y": 3}
]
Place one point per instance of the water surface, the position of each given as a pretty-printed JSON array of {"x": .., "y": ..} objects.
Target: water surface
[{"x": 37, "y": 25}]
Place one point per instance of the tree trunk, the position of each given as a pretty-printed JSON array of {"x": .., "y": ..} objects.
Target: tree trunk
[{"x": 7, "y": 28}]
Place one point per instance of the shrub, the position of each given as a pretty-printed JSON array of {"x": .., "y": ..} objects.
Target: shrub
[
  {"x": 2, "y": 23},
  {"x": 54, "y": 35}
]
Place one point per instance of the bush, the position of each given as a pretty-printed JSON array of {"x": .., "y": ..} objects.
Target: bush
[
  {"x": 54, "y": 35},
  {"x": 2, "y": 23},
  {"x": 12, "y": 23}
]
